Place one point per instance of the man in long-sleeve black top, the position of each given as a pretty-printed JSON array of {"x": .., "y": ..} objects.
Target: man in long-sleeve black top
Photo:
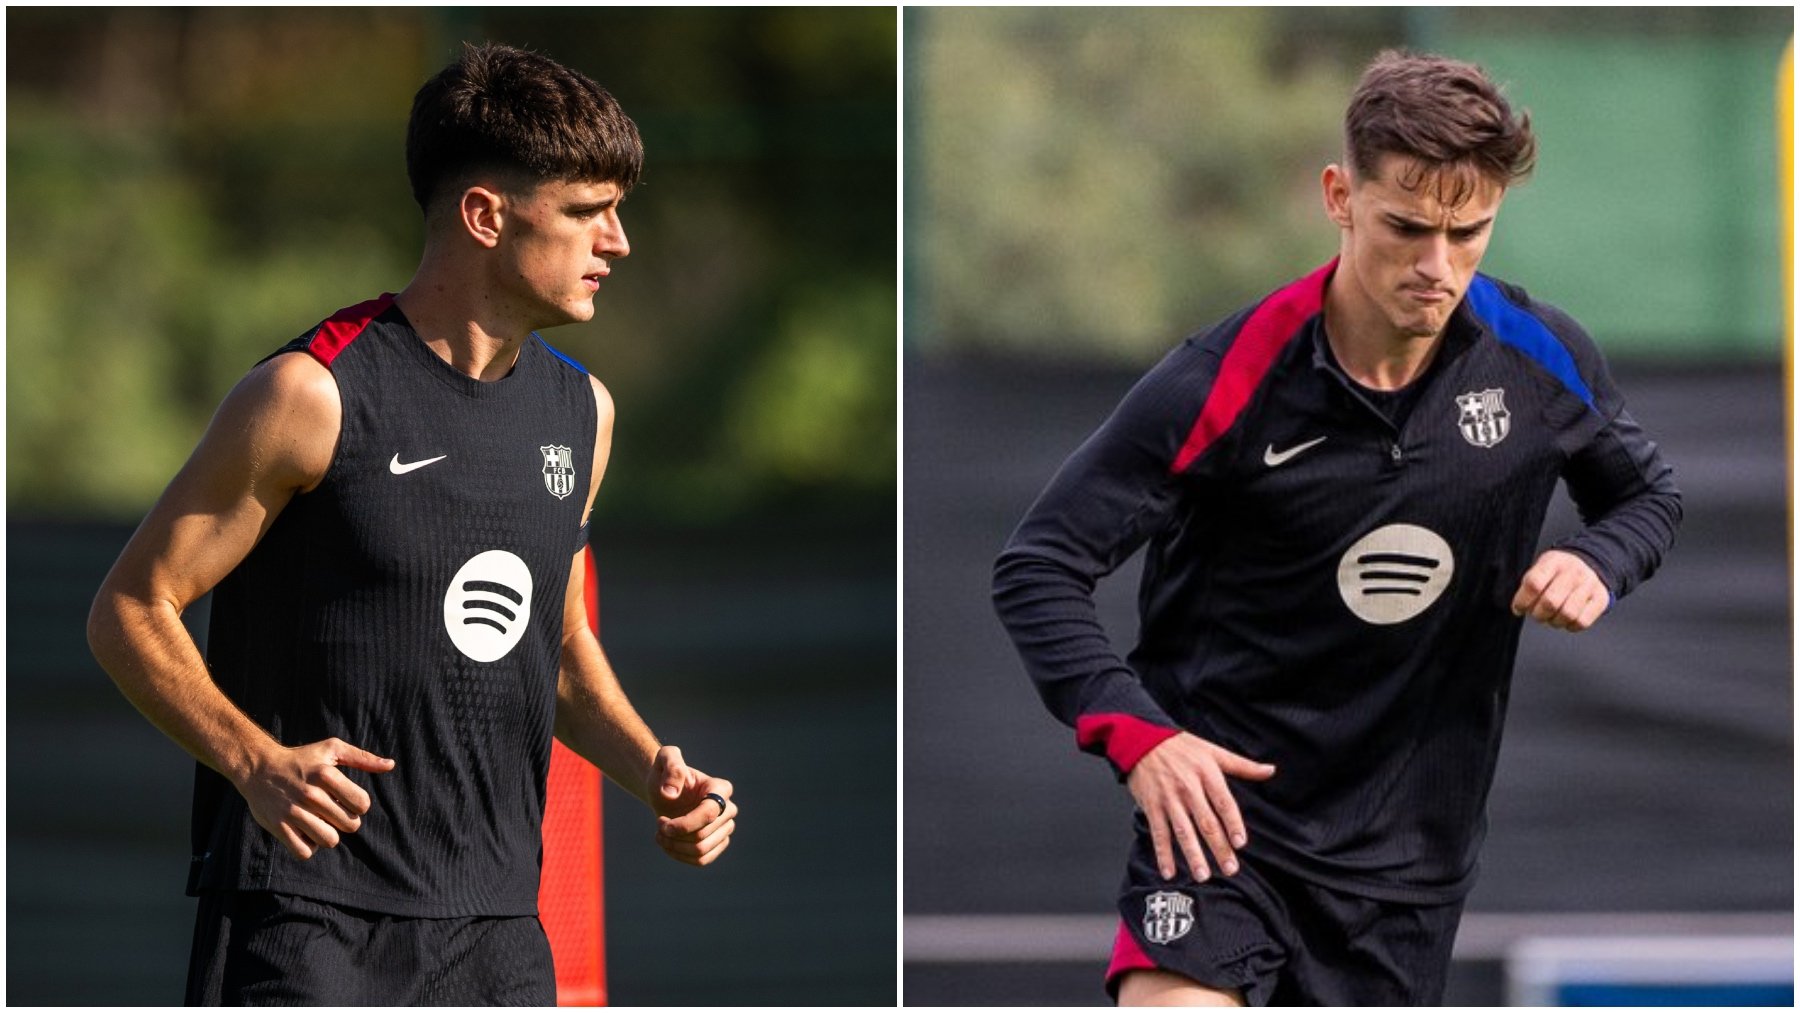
[{"x": 1341, "y": 490}]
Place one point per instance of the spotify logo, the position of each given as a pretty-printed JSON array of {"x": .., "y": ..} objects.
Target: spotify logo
[
  {"x": 488, "y": 605},
  {"x": 1394, "y": 573}
]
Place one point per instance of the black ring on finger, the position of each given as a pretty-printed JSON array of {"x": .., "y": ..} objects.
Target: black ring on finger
[{"x": 716, "y": 797}]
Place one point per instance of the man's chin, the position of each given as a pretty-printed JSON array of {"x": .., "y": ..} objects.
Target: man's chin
[
  {"x": 1420, "y": 327},
  {"x": 578, "y": 312}
]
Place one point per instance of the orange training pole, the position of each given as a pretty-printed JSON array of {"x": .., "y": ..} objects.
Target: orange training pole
[{"x": 571, "y": 898}]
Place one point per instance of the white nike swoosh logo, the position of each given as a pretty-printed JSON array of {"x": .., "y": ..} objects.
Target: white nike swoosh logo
[
  {"x": 400, "y": 469},
  {"x": 1273, "y": 457}
]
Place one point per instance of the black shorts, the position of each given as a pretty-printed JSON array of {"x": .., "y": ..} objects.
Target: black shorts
[
  {"x": 270, "y": 949},
  {"x": 1278, "y": 939}
]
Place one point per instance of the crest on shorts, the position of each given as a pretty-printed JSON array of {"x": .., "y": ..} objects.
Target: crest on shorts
[
  {"x": 559, "y": 471},
  {"x": 1168, "y": 915},
  {"x": 1482, "y": 416}
]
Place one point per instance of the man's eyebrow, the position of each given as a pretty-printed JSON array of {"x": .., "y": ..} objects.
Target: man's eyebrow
[
  {"x": 1400, "y": 218},
  {"x": 1408, "y": 221},
  {"x": 588, "y": 206}
]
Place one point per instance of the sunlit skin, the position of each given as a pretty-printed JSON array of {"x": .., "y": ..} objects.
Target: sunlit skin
[
  {"x": 563, "y": 240},
  {"x": 1405, "y": 260},
  {"x": 503, "y": 261}
]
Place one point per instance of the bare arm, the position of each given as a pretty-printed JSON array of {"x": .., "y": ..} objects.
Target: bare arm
[
  {"x": 272, "y": 437},
  {"x": 597, "y": 721}
]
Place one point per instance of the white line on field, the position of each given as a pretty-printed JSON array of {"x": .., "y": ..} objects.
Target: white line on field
[{"x": 990, "y": 938}]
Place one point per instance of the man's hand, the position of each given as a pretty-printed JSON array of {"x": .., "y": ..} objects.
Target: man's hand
[
  {"x": 1180, "y": 786},
  {"x": 298, "y": 795},
  {"x": 691, "y": 828},
  {"x": 1562, "y": 591}
]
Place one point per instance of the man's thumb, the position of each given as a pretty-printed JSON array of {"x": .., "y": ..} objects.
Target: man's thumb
[{"x": 674, "y": 772}]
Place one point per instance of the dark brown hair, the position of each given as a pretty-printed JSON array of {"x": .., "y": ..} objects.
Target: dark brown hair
[
  {"x": 525, "y": 116},
  {"x": 1442, "y": 114}
]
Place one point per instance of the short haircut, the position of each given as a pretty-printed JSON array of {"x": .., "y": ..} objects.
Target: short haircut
[
  {"x": 521, "y": 115},
  {"x": 1443, "y": 115}
]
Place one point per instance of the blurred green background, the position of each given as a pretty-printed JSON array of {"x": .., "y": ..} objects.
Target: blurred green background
[
  {"x": 1093, "y": 186},
  {"x": 188, "y": 189}
]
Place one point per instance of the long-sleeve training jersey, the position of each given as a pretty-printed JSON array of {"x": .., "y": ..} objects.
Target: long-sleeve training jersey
[{"x": 1326, "y": 591}]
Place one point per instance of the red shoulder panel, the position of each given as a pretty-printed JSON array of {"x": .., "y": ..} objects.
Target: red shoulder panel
[
  {"x": 1270, "y": 327},
  {"x": 336, "y": 333}
]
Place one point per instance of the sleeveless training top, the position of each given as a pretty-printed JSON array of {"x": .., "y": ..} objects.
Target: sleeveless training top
[{"x": 412, "y": 605}]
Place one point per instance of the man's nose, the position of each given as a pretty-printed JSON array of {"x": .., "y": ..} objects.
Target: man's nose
[
  {"x": 611, "y": 242},
  {"x": 1434, "y": 258}
]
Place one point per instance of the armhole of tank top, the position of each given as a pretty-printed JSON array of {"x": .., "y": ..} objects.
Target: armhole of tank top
[{"x": 586, "y": 517}]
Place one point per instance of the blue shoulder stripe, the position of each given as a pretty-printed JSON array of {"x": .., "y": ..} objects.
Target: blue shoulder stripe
[
  {"x": 578, "y": 366},
  {"x": 1528, "y": 334}
]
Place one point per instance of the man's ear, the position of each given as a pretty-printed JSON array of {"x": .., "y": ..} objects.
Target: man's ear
[
  {"x": 479, "y": 212},
  {"x": 1335, "y": 185}
]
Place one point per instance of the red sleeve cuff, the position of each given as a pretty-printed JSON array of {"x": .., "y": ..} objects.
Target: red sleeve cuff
[{"x": 1124, "y": 739}]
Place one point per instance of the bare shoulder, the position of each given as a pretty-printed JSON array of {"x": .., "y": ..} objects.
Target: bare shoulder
[
  {"x": 272, "y": 437},
  {"x": 603, "y": 403},
  {"x": 287, "y": 413},
  {"x": 603, "y": 427},
  {"x": 294, "y": 381}
]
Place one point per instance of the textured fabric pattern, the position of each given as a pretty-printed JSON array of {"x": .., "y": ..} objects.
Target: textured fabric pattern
[
  {"x": 412, "y": 605},
  {"x": 1282, "y": 941},
  {"x": 269, "y": 949},
  {"x": 1327, "y": 588}
]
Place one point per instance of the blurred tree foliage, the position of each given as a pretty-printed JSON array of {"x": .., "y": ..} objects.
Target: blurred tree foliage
[
  {"x": 1095, "y": 183},
  {"x": 187, "y": 189},
  {"x": 1100, "y": 181}
]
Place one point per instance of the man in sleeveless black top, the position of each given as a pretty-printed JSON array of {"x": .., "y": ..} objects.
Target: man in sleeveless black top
[{"x": 392, "y": 509}]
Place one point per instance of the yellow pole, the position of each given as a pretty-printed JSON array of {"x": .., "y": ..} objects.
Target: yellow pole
[{"x": 1784, "y": 132}]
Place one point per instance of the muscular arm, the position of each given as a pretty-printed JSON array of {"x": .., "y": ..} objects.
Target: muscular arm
[
  {"x": 272, "y": 437},
  {"x": 597, "y": 721}
]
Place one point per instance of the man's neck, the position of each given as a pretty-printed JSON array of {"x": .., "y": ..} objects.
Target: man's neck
[
  {"x": 1366, "y": 346},
  {"x": 458, "y": 321}
]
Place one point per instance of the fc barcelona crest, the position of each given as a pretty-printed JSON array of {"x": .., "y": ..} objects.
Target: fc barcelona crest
[
  {"x": 559, "y": 471},
  {"x": 1168, "y": 915},
  {"x": 1483, "y": 417}
]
